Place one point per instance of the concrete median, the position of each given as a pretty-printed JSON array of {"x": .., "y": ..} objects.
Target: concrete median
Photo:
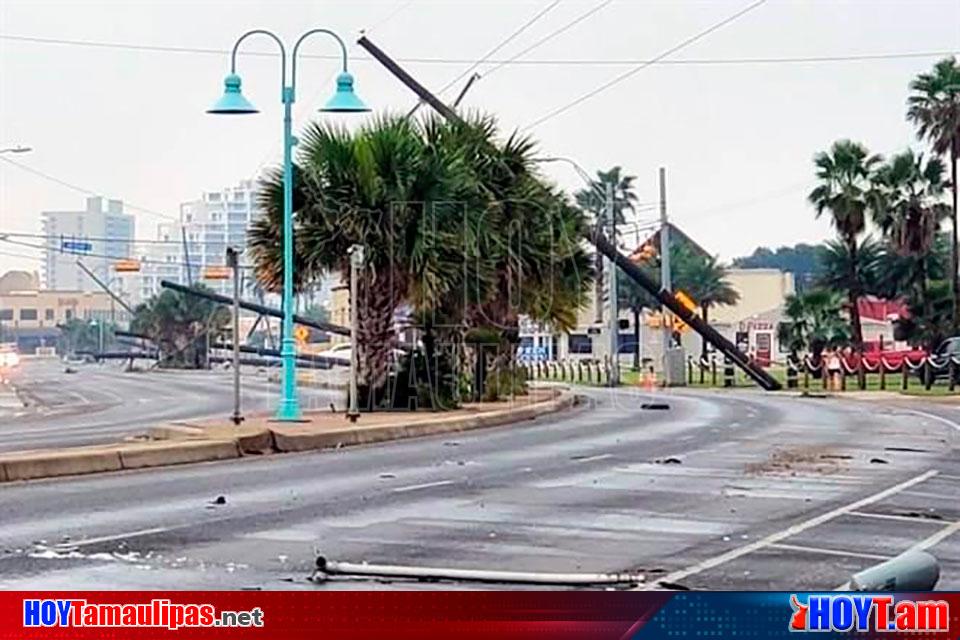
[
  {"x": 161, "y": 454},
  {"x": 30, "y": 465},
  {"x": 305, "y": 438},
  {"x": 191, "y": 442}
]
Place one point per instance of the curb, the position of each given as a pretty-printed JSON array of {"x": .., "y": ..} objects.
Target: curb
[
  {"x": 33, "y": 465},
  {"x": 185, "y": 444},
  {"x": 289, "y": 440}
]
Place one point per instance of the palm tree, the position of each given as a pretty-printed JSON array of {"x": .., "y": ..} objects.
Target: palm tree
[
  {"x": 702, "y": 278},
  {"x": 179, "y": 325},
  {"x": 375, "y": 188},
  {"x": 844, "y": 191},
  {"x": 837, "y": 268},
  {"x": 814, "y": 322},
  {"x": 593, "y": 200},
  {"x": 934, "y": 107},
  {"x": 906, "y": 208},
  {"x": 458, "y": 230},
  {"x": 635, "y": 298}
]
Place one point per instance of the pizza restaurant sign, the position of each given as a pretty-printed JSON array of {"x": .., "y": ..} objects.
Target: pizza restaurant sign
[{"x": 756, "y": 325}]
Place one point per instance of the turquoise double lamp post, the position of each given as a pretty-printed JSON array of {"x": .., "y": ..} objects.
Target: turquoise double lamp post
[{"x": 233, "y": 102}]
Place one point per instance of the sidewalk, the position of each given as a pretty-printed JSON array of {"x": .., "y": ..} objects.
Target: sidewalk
[{"x": 201, "y": 441}]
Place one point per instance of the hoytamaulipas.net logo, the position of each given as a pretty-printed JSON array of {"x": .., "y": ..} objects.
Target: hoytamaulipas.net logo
[
  {"x": 156, "y": 613},
  {"x": 856, "y": 612}
]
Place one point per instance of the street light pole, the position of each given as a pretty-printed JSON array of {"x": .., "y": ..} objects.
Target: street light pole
[
  {"x": 16, "y": 149},
  {"x": 233, "y": 102},
  {"x": 233, "y": 261},
  {"x": 356, "y": 263}
]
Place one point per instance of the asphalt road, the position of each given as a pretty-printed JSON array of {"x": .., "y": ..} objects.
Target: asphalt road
[
  {"x": 102, "y": 403},
  {"x": 722, "y": 491}
]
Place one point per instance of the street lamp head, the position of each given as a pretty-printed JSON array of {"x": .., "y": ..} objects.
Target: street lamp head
[
  {"x": 232, "y": 102},
  {"x": 345, "y": 100}
]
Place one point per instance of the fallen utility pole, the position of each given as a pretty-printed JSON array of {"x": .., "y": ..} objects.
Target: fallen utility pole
[
  {"x": 257, "y": 308},
  {"x": 99, "y": 282},
  {"x": 604, "y": 246},
  {"x": 327, "y": 568},
  {"x": 668, "y": 300},
  {"x": 323, "y": 361}
]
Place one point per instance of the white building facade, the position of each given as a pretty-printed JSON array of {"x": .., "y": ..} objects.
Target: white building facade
[
  {"x": 185, "y": 250},
  {"x": 99, "y": 235}
]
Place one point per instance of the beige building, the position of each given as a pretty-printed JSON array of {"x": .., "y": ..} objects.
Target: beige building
[
  {"x": 30, "y": 315},
  {"x": 761, "y": 290}
]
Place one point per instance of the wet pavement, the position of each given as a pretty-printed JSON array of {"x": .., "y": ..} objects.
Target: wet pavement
[{"x": 722, "y": 491}]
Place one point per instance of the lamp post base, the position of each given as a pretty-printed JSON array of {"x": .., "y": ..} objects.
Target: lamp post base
[{"x": 289, "y": 411}]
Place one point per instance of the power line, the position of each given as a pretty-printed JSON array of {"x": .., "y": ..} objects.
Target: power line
[
  {"x": 84, "y": 190},
  {"x": 526, "y": 25},
  {"x": 47, "y": 236},
  {"x": 623, "y": 76},
  {"x": 512, "y": 60},
  {"x": 549, "y": 36},
  {"x": 400, "y": 7},
  {"x": 85, "y": 254}
]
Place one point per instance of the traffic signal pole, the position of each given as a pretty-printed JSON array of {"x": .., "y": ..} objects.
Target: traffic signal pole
[{"x": 665, "y": 280}]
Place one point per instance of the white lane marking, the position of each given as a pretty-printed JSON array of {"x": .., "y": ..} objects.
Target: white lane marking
[
  {"x": 118, "y": 536},
  {"x": 828, "y": 552},
  {"x": 599, "y": 456},
  {"x": 425, "y": 485},
  {"x": 937, "y": 537},
  {"x": 793, "y": 530},
  {"x": 890, "y": 516},
  {"x": 935, "y": 417}
]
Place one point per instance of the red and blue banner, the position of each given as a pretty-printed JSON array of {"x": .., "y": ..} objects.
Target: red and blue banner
[{"x": 421, "y": 615}]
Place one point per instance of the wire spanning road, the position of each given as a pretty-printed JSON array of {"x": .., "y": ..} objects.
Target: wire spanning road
[{"x": 736, "y": 490}]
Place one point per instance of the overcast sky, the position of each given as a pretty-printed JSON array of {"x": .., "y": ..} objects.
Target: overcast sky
[{"x": 737, "y": 139}]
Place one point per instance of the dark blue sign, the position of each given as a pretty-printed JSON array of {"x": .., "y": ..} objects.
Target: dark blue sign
[{"x": 75, "y": 245}]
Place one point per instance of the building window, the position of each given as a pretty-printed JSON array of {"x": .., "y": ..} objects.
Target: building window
[
  {"x": 580, "y": 343},
  {"x": 69, "y": 315},
  {"x": 48, "y": 314},
  {"x": 28, "y": 314},
  {"x": 6, "y": 314}
]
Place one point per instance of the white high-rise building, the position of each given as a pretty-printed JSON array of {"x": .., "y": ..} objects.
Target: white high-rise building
[
  {"x": 207, "y": 226},
  {"x": 98, "y": 235}
]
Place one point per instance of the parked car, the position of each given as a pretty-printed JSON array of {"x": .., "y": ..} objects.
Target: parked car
[
  {"x": 9, "y": 357},
  {"x": 949, "y": 348},
  {"x": 340, "y": 354}
]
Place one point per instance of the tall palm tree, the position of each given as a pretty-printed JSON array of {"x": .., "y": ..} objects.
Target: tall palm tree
[
  {"x": 906, "y": 207},
  {"x": 934, "y": 107},
  {"x": 593, "y": 200},
  {"x": 836, "y": 268},
  {"x": 844, "y": 191}
]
